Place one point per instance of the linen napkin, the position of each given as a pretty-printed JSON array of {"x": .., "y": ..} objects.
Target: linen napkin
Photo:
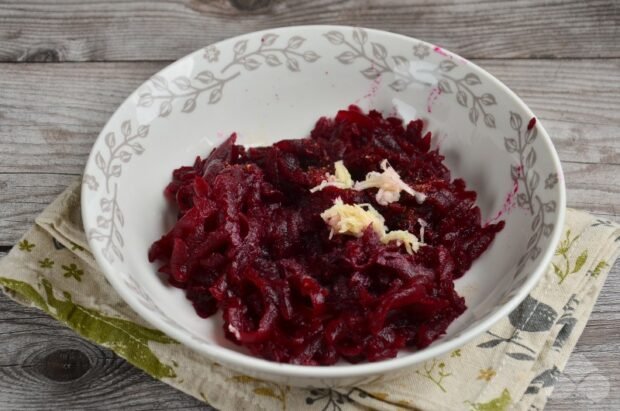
[{"x": 512, "y": 366}]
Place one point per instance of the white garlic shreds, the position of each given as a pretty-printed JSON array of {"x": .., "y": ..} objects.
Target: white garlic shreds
[
  {"x": 423, "y": 225},
  {"x": 402, "y": 237},
  {"x": 352, "y": 219},
  {"x": 340, "y": 179},
  {"x": 389, "y": 184}
]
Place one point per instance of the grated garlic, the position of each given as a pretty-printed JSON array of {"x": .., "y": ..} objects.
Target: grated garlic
[
  {"x": 423, "y": 225},
  {"x": 352, "y": 219},
  {"x": 340, "y": 179},
  {"x": 389, "y": 184},
  {"x": 412, "y": 245}
]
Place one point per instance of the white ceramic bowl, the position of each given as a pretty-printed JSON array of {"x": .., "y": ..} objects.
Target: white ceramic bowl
[{"x": 275, "y": 84}]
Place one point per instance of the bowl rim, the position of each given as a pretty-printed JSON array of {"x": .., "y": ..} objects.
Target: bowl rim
[{"x": 256, "y": 364}]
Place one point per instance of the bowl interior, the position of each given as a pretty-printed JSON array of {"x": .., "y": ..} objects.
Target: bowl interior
[{"x": 272, "y": 85}]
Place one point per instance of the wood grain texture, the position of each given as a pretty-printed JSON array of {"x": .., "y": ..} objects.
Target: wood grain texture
[
  {"x": 46, "y": 366},
  {"x": 68, "y": 30},
  {"x": 23, "y": 197}
]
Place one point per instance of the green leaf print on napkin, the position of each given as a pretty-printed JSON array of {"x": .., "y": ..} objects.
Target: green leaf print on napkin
[
  {"x": 265, "y": 388},
  {"x": 564, "y": 270},
  {"x": 500, "y": 403},
  {"x": 128, "y": 339},
  {"x": 435, "y": 375},
  {"x": 25, "y": 291}
]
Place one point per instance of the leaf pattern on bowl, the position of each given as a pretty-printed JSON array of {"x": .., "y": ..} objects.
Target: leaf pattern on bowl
[
  {"x": 185, "y": 90},
  {"x": 110, "y": 221},
  {"x": 525, "y": 176},
  {"x": 405, "y": 73},
  {"x": 465, "y": 94},
  {"x": 267, "y": 53},
  {"x": 119, "y": 150},
  {"x": 376, "y": 56}
]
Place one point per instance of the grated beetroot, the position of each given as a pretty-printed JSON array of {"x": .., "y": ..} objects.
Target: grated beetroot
[{"x": 249, "y": 241}]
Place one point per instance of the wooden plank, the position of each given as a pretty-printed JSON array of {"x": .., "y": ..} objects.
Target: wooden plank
[
  {"x": 44, "y": 365},
  {"x": 38, "y": 357},
  {"x": 51, "y": 114},
  {"x": 55, "y": 122},
  {"x": 65, "y": 30},
  {"x": 22, "y": 198},
  {"x": 593, "y": 187}
]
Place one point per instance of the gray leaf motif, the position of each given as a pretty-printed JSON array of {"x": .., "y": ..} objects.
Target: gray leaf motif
[
  {"x": 377, "y": 60},
  {"x": 488, "y": 99},
  {"x": 57, "y": 245},
  {"x": 346, "y": 57},
  {"x": 545, "y": 379},
  {"x": 109, "y": 225},
  {"x": 334, "y": 37},
  {"x": 473, "y": 114},
  {"x": 533, "y": 316},
  {"x": 240, "y": 47},
  {"x": 292, "y": 64},
  {"x": 530, "y": 160},
  {"x": 400, "y": 61},
  {"x": 251, "y": 56},
  {"x": 398, "y": 85},
  {"x": 360, "y": 36},
  {"x": 184, "y": 92},
  {"x": 379, "y": 51},
  {"x": 295, "y": 42},
  {"x": 530, "y": 135},
  {"x": 520, "y": 356},
  {"x": 310, "y": 56},
  {"x": 568, "y": 324},
  {"x": 272, "y": 60},
  {"x": 120, "y": 149},
  {"x": 515, "y": 121},
  {"x": 489, "y": 120},
  {"x": 205, "y": 77},
  {"x": 371, "y": 73},
  {"x": 472, "y": 79},
  {"x": 269, "y": 39},
  {"x": 533, "y": 180},
  {"x": 329, "y": 398},
  {"x": 444, "y": 86},
  {"x": 110, "y": 140},
  {"x": 461, "y": 98},
  {"x": 447, "y": 65},
  {"x": 182, "y": 82}
]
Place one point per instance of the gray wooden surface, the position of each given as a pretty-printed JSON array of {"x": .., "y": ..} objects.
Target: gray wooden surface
[{"x": 66, "y": 65}]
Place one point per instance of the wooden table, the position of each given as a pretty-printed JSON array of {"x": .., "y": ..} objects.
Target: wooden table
[{"x": 65, "y": 65}]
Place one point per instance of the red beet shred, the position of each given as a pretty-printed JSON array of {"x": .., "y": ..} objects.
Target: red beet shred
[{"x": 249, "y": 241}]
